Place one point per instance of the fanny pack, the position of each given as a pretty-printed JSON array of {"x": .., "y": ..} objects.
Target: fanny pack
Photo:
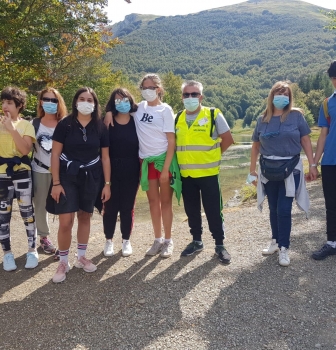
[{"x": 277, "y": 169}]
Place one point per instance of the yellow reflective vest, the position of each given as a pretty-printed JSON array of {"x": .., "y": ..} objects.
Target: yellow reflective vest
[{"x": 198, "y": 155}]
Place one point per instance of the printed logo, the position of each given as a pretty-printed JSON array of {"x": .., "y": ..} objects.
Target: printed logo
[{"x": 146, "y": 118}]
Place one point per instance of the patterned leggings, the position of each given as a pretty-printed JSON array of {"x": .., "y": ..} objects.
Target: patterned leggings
[{"x": 20, "y": 185}]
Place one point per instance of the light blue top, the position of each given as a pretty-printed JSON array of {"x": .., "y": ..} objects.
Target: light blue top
[{"x": 329, "y": 155}]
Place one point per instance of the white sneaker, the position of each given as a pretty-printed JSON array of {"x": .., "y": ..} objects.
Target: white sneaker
[
  {"x": 155, "y": 248},
  {"x": 108, "y": 249},
  {"x": 271, "y": 249},
  {"x": 32, "y": 260},
  {"x": 126, "y": 248},
  {"x": 283, "y": 257},
  {"x": 9, "y": 262},
  {"x": 167, "y": 249}
]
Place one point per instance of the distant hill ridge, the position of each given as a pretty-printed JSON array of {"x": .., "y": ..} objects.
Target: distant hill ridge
[{"x": 238, "y": 51}]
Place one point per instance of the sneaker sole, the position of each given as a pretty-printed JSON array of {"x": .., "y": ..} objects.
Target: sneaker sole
[
  {"x": 126, "y": 254},
  {"x": 88, "y": 271},
  {"x": 196, "y": 251},
  {"x": 9, "y": 270},
  {"x": 105, "y": 254},
  {"x": 150, "y": 254},
  {"x": 284, "y": 264},
  {"x": 166, "y": 256},
  {"x": 60, "y": 280},
  {"x": 268, "y": 253}
]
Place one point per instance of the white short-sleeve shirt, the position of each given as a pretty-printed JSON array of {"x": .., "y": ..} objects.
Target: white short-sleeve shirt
[{"x": 152, "y": 123}]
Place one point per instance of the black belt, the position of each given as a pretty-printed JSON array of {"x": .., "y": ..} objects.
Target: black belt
[{"x": 42, "y": 165}]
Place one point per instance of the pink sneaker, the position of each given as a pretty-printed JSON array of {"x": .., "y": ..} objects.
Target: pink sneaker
[
  {"x": 61, "y": 271},
  {"x": 85, "y": 264}
]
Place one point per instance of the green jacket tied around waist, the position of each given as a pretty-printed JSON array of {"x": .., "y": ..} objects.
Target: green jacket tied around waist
[{"x": 175, "y": 181}]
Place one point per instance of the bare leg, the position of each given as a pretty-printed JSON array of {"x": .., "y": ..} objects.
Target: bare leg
[
  {"x": 66, "y": 222},
  {"x": 83, "y": 231},
  {"x": 153, "y": 196},
  {"x": 166, "y": 195}
]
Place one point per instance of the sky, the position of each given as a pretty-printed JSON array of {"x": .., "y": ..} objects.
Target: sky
[{"x": 118, "y": 9}]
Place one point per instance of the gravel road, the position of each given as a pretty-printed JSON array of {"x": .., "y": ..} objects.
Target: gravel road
[{"x": 178, "y": 303}]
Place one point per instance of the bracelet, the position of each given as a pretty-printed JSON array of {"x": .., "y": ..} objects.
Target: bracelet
[
  {"x": 57, "y": 184},
  {"x": 313, "y": 165},
  {"x": 108, "y": 183}
]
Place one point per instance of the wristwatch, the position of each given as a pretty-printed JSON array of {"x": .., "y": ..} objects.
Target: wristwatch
[{"x": 108, "y": 183}]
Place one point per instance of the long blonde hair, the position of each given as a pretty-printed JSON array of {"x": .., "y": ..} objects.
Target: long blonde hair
[
  {"x": 279, "y": 87},
  {"x": 61, "y": 107},
  {"x": 157, "y": 81}
]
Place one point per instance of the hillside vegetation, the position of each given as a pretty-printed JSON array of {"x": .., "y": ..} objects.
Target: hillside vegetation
[{"x": 237, "y": 51}]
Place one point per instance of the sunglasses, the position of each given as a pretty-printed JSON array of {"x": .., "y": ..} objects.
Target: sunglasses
[
  {"x": 84, "y": 133},
  {"x": 149, "y": 87},
  {"x": 192, "y": 94},
  {"x": 119, "y": 100},
  {"x": 48, "y": 99}
]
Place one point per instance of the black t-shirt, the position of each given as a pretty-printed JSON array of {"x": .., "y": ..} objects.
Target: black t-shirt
[
  {"x": 69, "y": 133},
  {"x": 124, "y": 141}
]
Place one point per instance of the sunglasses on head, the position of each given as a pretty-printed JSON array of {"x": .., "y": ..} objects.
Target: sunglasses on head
[
  {"x": 119, "y": 100},
  {"x": 192, "y": 94},
  {"x": 48, "y": 99}
]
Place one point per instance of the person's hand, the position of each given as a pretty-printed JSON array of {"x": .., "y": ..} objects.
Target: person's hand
[
  {"x": 254, "y": 182},
  {"x": 106, "y": 193},
  {"x": 164, "y": 177},
  {"x": 56, "y": 192},
  {"x": 6, "y": 120},
  {"x": 312, "y": 175},
  {"x": 108, "y": 120}
]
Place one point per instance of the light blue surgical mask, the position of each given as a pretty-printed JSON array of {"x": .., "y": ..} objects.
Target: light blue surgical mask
[
  {"x": 50, "y": 107},
  {"x": 280, "y": 101},
  {"x": 191, "y": 104},
  {"x": 123, "y": 107}
]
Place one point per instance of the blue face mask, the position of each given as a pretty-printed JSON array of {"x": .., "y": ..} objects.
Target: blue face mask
[
  {"x": 280, "y": 101},
  {"x": 50, "y": 107},
  {"x": 191, "y": 103},
  {"x": 123, "y": 107}
]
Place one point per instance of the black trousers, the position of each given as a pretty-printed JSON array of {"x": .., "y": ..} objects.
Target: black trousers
[
  {"x": 207, "y": 188},
  {"x": 124, "y": 187},
  {"x": 329, "y": 189}
]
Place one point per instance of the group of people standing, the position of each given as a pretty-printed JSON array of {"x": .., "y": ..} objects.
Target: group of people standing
[{"x": 80, "y": 162}]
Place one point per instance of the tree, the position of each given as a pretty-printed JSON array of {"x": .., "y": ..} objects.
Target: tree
[
  {"x": 45, "y": 42},
  {"x": 172, "y": 85}
]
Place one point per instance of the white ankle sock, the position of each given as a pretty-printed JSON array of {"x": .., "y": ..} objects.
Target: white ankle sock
[
  {"x": 332, "y": 243},
  {"x": 159, "y": 239},
  {"x": 81, "y": 250},
  {"x": 64, "y": 255},
  {"x": 168, "y": 240}
]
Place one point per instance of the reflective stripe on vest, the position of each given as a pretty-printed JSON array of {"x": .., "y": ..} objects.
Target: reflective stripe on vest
[{"x": 197, "y": 148}]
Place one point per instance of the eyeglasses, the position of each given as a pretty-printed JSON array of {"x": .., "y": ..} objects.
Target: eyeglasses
[
  {"x": 192, "y": 94},
  {"x": 84, "y": 133},
  {"x": 48, "y": 99},
  {"x": 149, "y": 87},
  {"x": 270, "y": 134},
  {"x": 119, "y": 100}
]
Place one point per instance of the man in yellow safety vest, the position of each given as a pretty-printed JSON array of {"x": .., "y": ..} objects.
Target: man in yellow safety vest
[{"x": 202, "y": 135}]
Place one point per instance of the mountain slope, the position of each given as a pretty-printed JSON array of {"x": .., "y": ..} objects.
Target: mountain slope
[{"x": 238, "y": 51}]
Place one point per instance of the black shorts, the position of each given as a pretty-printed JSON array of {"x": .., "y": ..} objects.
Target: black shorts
[{"x": 80, "y": 192}]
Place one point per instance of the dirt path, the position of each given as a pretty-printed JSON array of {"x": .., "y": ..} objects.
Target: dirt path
[{"x": 178, "y": 303}]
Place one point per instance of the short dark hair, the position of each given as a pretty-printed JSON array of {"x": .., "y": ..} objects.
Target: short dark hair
[
  {"x": 332, "y": 70},
  {"x": 110, "y": 107},
  {"x": 13, "y": 93}
]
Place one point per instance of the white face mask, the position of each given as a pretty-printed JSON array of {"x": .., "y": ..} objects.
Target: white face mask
[
  {"x": 85, "y": 108},
  {"x": 149, "y": 95}
]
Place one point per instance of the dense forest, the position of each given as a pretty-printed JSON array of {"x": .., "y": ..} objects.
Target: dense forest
[{"x": 237, "y": 51}]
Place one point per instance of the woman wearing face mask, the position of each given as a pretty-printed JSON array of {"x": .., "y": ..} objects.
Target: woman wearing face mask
[
  {"x": 76, "y": 167},
  {"x": 279, "y": 135},
  {"x": 160, "y": 176},
  {"x": 50, "y": 110},
  {"x": 125, "y": 171}
]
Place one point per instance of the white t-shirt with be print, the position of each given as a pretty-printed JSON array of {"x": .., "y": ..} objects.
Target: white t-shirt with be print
[{"x": 152, "y": 122}]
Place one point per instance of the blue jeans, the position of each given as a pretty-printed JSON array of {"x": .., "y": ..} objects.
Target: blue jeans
[{"x": 280, "y": 208}]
